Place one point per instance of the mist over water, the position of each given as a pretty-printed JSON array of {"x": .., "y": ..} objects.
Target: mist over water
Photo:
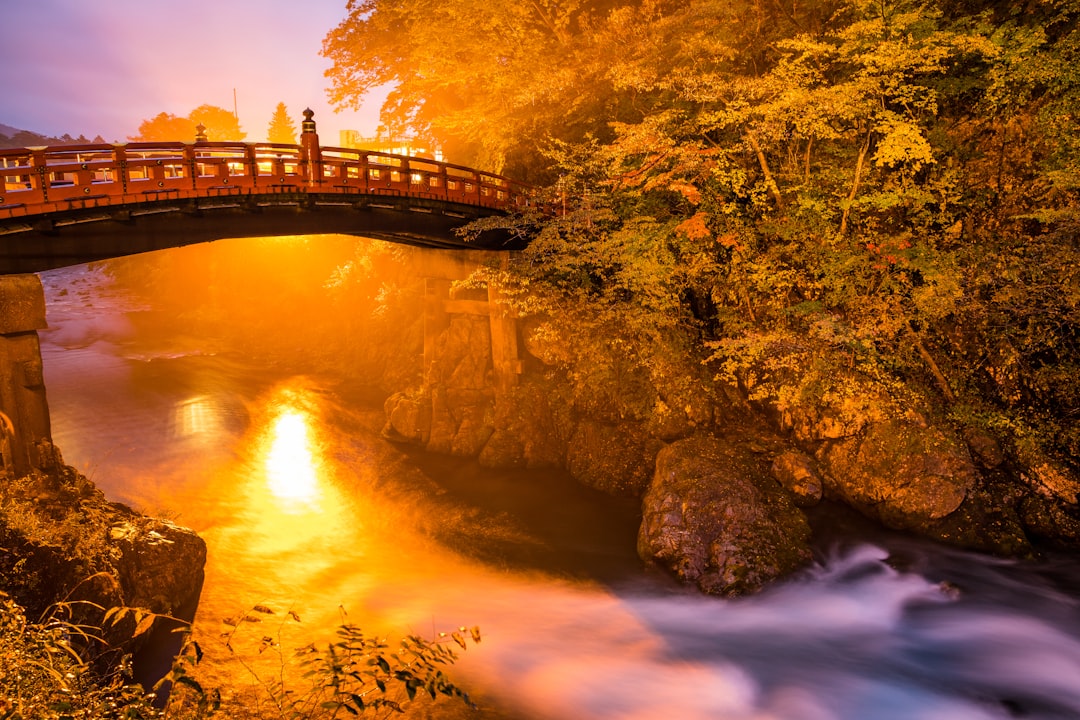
[{"x": 306, "y": 508}]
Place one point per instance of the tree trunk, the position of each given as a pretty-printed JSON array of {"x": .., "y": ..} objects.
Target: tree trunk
[
  {"x": 855, "y": 183},
  {"x": 769, "y": 181}
]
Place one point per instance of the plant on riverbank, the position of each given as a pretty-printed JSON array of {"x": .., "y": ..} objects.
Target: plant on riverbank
[
  {"x": 44, "y": 674},
  {"x": 354, "y": 674}
]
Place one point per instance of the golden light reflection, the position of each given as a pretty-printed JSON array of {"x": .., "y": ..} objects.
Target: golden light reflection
[
  {"x": 195, "y": 416},
  {"x": 291, "y": 467}
]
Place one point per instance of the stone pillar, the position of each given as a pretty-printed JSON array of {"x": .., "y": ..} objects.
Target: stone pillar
[
  {"x": 505, "y": 360},
  {"x": 436, "y": 318},
  {"x": 22, "y": 385}
]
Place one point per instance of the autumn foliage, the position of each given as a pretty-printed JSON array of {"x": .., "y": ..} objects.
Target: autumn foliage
[
  {"x": 805, "y": 197},
  {"x": 219, "y": 125}
]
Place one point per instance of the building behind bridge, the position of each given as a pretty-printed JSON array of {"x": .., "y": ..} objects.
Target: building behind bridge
[{"x": 389, "y": 144}]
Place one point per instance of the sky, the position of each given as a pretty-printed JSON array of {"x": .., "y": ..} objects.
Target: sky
[{"x": 101, "y": 67}]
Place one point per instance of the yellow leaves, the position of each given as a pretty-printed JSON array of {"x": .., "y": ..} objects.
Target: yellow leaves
[{"x": 903, "y": 144}]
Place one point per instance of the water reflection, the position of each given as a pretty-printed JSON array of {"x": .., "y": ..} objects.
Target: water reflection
[{"x": 290, "y": 466}]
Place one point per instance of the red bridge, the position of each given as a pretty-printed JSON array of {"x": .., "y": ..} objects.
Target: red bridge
[{"x": 70, "y": 204}]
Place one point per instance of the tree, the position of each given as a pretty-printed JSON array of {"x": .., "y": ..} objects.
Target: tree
[
  {"x": 221, "y": 124},
  {"x": 166, "y": 127},
  {"x": 282, "y": 128},
  {"x": 487, "y": 80},
  {"x": 804, "y": 195}
]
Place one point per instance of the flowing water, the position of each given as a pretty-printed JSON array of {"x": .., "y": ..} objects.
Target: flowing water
[{"x": 305, "y": 508}]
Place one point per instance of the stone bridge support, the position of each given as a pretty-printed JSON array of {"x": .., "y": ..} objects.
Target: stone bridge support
[{"x": 25, "y": 435}]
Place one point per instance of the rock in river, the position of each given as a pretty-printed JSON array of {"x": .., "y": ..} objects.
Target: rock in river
[{"x": 714, "y": 515}]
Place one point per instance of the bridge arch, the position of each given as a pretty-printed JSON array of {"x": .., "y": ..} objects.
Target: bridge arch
[{"x": 66, "y": 205}]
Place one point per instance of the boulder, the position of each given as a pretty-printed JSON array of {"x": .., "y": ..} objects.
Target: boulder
[
  {"x": 715, "y": 517},
  {"x": 159, "y": 565},
  {"x": 62, "y": 542},
  {"x": 407, "y": 418},
  {"x": 902, "y": 473},
  {"x": 1051, "y": 521}
]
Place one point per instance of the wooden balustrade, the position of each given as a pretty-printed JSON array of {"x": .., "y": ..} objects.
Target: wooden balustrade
[{"x": 37, "y": 181}]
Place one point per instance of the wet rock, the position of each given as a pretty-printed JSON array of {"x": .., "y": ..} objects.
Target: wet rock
[
  {"x": 716, "y": 518},
  {"x": 160, "y": 565},
  {"x": 986, "y": 521},
  {"x": 474, "y": 429},
  {"x": 984, "y": 447},
  {"x": 899, "y": 472},
  {"x": 463, "y": 355},
  {"x": 407, "y": 419},
  {"x": 798, "y": 473},
  {"x": 504, "y": 449},
  {"x": 1051, "y": 521},
  {"x": 532, "y": 427},
  {"x": 616, "y": 459},
  {"x": 1054, "y": 480}
]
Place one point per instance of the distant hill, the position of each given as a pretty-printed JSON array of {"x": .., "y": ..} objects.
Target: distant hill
[
  {"x": 8, "y": 130},
  {"x": 11, "y": 137}
]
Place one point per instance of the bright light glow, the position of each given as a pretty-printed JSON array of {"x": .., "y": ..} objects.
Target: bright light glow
[{"x": 290, "y": 466}]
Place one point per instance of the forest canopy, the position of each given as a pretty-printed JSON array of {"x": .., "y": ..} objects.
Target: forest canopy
[{"x": 814, "y": 198}]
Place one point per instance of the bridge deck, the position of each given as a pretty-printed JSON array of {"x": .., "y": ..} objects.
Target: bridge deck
[{"x": 69, "y": 204}]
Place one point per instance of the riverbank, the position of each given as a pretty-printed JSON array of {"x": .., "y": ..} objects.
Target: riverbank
[
  {"x": 406, "y": 541},
  {"x": 108, "y": 579}
]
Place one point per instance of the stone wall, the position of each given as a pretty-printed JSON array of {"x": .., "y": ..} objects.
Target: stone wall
[{"x": 23, "y": 403}]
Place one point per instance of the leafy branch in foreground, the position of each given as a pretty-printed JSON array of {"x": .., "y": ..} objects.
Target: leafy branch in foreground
[
  {"x": 44, "y": 674},
  {"x": 352, "y": 675},
  {"x": 359, "y": 673}
]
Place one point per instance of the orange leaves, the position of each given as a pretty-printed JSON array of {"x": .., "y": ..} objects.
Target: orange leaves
[
  {"x": 694, "y": 227},
  {"x": 688, "y": 191},
  {"x": 890, "y": 251}
]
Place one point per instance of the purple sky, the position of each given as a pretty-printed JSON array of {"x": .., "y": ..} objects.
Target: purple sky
[{"x": 101, "y": 67}]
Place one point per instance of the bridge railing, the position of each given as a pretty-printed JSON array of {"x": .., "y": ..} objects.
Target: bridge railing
[{"x": 40, "y": 180}]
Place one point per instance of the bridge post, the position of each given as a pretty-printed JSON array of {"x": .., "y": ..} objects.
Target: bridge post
[
  {"x": 24, "y": 410},
  {"x": 310, "y": 152},
  {"x": 120, "y": 160},
  {"x": 38, "y": 179},
  {"x": 190, "y": 165}
]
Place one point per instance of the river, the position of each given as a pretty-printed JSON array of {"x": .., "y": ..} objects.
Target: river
[{"x": 306, "y": 508}]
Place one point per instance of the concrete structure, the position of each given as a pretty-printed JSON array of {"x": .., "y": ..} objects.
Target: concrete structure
[{"x": 25, "y": 433}]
